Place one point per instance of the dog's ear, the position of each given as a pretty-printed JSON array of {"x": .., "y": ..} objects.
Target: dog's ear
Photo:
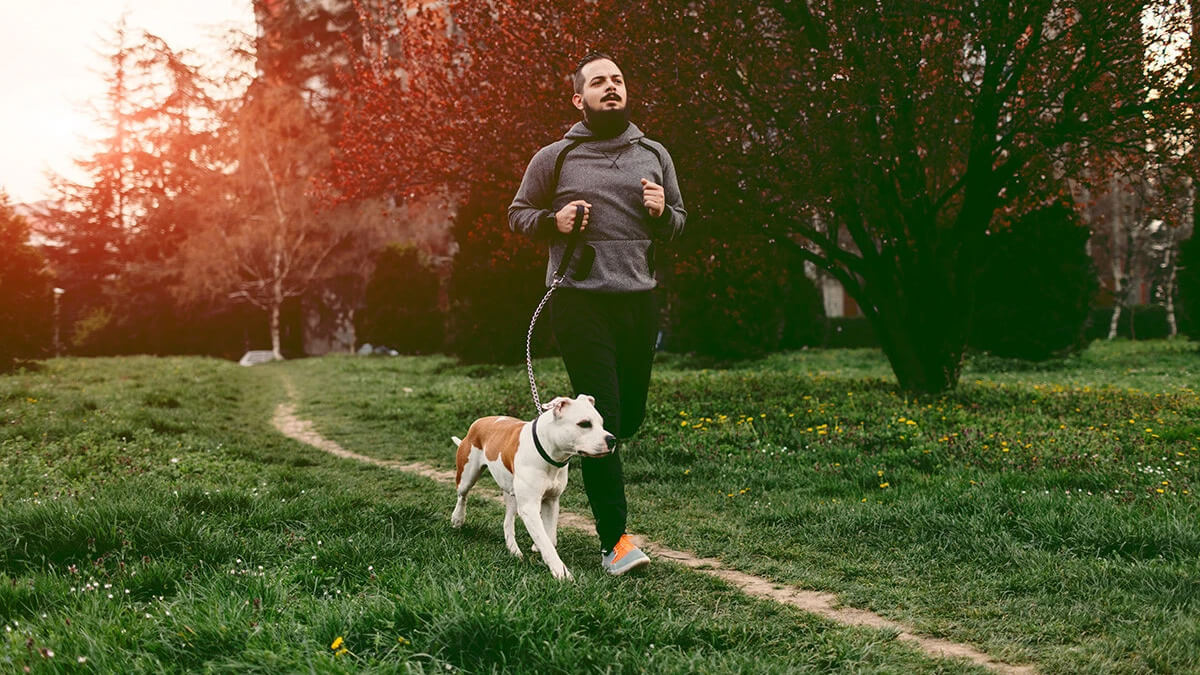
[
  {"x": 557, "y": 405},
  {"x": 590, "y": 399}
]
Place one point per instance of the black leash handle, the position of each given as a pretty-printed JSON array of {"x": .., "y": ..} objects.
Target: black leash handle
[{"x": 572, "y": 244}]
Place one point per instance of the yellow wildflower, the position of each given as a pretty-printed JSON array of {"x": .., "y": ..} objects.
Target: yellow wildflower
[{"x": 337, "y": 642}]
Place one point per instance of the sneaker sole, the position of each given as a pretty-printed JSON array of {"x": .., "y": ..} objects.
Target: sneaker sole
[{"x": 637, "y": 564}]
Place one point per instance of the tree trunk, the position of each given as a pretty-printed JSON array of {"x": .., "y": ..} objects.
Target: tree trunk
[
  {"x": 1169, "y": 291},
  {"x": 275, "y": 349},
  {"x": 1116, "y": 318},
  {"x": 276, "y": 304},
  {"x": 923, "y": 331},
  {"x": 1117, "y": 257},
  {"x": 922, "y": 367}
]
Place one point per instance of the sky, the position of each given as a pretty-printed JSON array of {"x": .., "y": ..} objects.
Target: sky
[{"x": 52, "y": 71}]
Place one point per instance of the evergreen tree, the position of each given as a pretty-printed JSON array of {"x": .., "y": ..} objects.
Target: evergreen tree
[{"x": 25, "y": 293}]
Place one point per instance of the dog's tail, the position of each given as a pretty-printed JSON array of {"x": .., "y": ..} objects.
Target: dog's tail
[{"x": 460, "y": 458}]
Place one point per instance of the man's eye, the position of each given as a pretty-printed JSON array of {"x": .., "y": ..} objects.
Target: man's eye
[{"x": 585, "y": 424}]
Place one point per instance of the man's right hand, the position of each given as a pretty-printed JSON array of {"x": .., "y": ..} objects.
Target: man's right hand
[{"x": 565, "y": 218}]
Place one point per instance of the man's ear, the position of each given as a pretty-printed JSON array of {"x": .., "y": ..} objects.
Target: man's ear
[{"x": 577, "y": 100}]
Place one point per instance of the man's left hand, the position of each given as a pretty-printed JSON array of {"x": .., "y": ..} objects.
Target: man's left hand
[{"x": 653, "y": 197}]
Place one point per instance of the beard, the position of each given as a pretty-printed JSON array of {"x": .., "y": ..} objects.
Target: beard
[{"x": 606, "y": 123}]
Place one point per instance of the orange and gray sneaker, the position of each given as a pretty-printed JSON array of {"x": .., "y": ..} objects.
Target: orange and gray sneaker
[{"x": 624, "y": 557}]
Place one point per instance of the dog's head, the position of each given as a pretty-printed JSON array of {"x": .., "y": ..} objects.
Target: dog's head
[{"x": 576, "y": 427}]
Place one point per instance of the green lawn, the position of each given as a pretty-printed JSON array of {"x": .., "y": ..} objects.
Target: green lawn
[{"x": 1046, "y": 514}]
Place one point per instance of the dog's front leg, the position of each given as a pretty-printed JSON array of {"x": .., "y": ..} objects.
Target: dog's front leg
[
  {"x": 531, "y": 515},
  {"x": 550, "y": 519},
  {"x": 510, "y": 527}
]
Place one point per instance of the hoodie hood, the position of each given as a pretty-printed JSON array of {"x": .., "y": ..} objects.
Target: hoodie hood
[{"x": 582, "y": 132}]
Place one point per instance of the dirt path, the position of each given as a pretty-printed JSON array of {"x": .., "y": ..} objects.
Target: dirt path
[{"x": 821, "y": 604}]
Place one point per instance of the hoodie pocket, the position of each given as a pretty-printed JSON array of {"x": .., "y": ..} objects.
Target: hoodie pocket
[{"x": 583, "y": 266}]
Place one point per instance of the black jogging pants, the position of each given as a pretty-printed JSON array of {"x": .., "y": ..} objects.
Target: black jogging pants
[{"x": 607, "y": 345}]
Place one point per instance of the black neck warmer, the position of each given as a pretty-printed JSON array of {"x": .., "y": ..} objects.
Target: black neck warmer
[{"x": 607, "y": 123}]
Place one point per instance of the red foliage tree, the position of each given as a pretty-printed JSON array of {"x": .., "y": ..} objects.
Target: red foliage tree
[{"x": 881, "y": 140}]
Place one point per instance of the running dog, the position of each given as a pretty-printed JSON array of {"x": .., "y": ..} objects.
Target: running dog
[{"x": 529, "y": 462}]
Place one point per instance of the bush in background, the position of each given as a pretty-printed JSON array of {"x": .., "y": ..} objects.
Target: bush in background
[
  {"x": 1188, "y": 279},
  {"x": 400, "y": 307},
  {"x": 496, "y": 281},
  {"x": 740, "y": 299},
  {"x": 1140, "y": 322},
  {"x": 1036, "y": 286}
]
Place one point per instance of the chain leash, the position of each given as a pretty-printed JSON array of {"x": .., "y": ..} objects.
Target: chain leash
[{"x": 559, "y": 275}]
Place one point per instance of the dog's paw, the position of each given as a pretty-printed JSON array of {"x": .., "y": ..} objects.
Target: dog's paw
[
  {"x": 516, "y": 551},
  {"x": 560, "y": 571}
]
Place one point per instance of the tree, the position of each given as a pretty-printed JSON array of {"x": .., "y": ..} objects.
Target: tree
[
  {"x": 25, "y": 297},
  {"x": 882, "y": 140},
  {"x": 1138, "y": 224},
  {"x": 116, "y": 233},
  {"x": 90, "y": 221},
  {"x": 264, "y": 240}
]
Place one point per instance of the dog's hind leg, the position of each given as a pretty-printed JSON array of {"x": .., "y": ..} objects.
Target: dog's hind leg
[
  {"x": 510, "y": 524},
  {"x": 470, "y": 467}
]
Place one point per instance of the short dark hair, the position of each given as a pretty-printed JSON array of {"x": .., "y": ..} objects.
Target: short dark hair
[{"x": 577, "y": 79}]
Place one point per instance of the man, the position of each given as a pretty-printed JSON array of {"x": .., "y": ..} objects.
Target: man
[{"x": 603, "y": 314}]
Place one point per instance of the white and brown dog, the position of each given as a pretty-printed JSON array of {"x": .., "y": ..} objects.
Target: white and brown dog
[{"x": 529, "y": 462}]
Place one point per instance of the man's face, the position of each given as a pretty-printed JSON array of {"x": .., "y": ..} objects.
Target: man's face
[{"x": 603, "y": 88}]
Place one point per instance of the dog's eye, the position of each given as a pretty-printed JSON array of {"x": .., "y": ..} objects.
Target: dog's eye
[{"x": 586, "y": 424}]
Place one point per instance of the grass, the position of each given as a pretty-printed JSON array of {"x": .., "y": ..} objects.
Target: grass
[
  {"x": 151, "y": 520},
  {"x": 1046, "y": 514}
]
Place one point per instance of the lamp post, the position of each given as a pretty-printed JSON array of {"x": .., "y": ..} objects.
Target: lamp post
[{"x": 57, "y": 294}]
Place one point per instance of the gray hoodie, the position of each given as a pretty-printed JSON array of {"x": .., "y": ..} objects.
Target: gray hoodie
[{"x": 616, "y": 253}]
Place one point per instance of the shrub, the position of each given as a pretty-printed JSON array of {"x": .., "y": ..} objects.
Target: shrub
[
  {"x": 400, "y": 307},
  {"x": 739, "y": 299},
  {"x": 849, "y": 333},
  {"x": 1188, "y": 281},
  {"x": 1141, "y": 322},
  {"x": 496, "y": 281},
  {"x": 804, "y": 322},
  {"x": 1035, "y": 287}
]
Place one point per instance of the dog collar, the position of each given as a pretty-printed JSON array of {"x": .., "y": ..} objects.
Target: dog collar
[{"x": 542, "y": 451}]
